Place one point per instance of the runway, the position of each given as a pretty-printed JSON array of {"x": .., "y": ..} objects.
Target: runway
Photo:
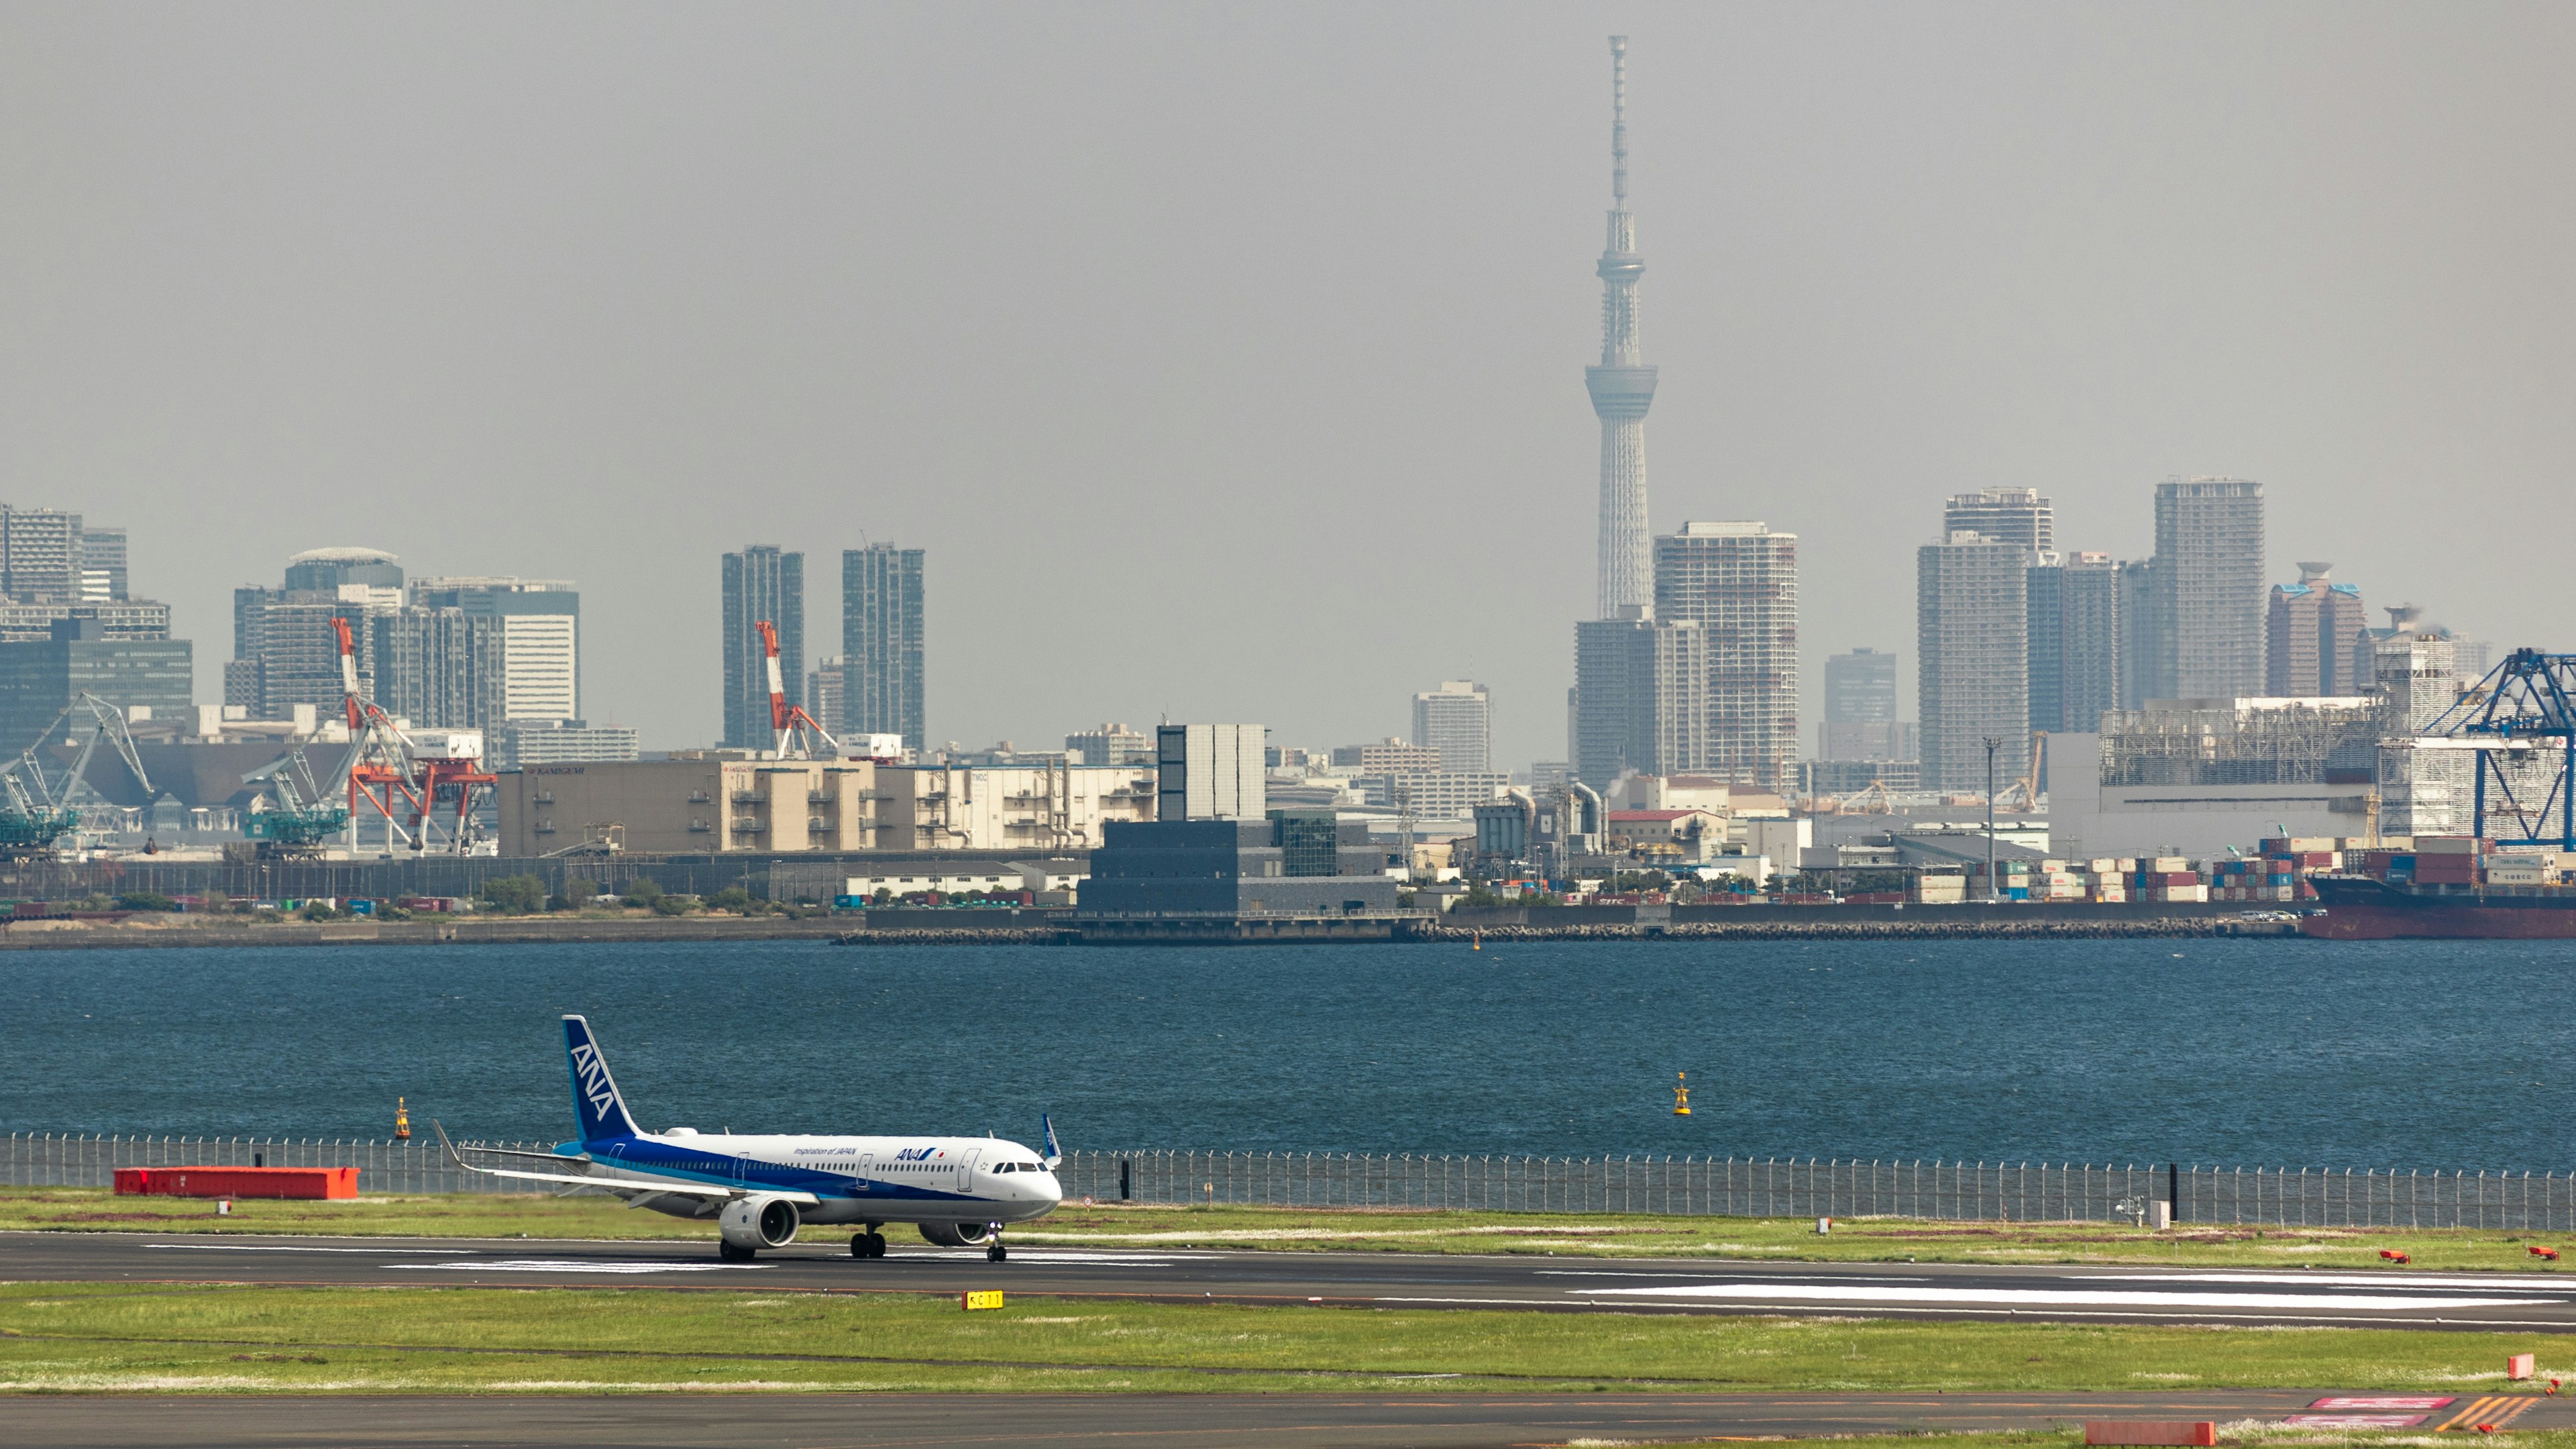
[
  {"x": 2542, "y": 1301},
  {"x": 1165, "y": 1421}
]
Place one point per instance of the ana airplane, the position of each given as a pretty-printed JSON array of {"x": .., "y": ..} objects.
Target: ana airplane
[{"x": 960, "y": 1190}]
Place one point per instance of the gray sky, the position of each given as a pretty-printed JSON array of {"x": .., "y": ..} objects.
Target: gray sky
[{"x": 1228, "y": 359}]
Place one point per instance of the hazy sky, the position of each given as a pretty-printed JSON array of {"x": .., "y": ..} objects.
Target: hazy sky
[{"x": 1229, "y": 359}]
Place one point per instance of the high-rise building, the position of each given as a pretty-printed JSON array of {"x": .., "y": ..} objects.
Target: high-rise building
[
  {"x": 2005, "y": 515},
  {"x": 39, "y": 677},
  {"x": 2146, "y": 653},
  {"x": 102, "y": 562},
  {"x": 827, "y": 695},
  {"x": 881, "y": 641},
  {"x": 1740, "y": 581},
  {"x": 367, "y": 576},
  {"x": 1457, "y": 719},
  {"x": 288, "y": 653},
  {"x": 540, "y": 630},
  {"x": 1209, "y": 772},
  {"x": 761, "y": 583},
  {"x": 1622, "y": 385},
  {"x": 2074, "y": 640},
  {"x": 2310, "y": 629},
  {"x": 2209, "y": 586},
  {"x": 1860, "y": 709},
  {"x": 40, "y": 554},
  {"x": 1641, "y": 696},
  {"x": 440, "y": 667},
  {"x": 1972, "y": 616}
]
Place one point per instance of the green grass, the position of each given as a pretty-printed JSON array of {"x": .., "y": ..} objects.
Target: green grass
[
  {"x": 1342, "y": 1229},
  {"x": 229, "y": 1338}
]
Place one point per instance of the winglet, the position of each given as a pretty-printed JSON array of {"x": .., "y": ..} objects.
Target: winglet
[
  {"x": 1054, "y": 1153},
  {"x": 455, "y": 1159}
]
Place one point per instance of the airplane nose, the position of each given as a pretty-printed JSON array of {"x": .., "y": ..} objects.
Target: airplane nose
[{"x": 1050, "y": 1189}]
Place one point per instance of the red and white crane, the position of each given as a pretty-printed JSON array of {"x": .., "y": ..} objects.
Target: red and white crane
[
  {"x": 796, "y": 729},
  {"x": 410, "y": 783}
]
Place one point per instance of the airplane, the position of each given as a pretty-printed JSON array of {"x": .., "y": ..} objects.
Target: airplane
[{"x": 761, "y": 1189}]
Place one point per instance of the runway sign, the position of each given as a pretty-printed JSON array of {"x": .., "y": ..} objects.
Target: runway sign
[
  {"x": 975, "y": 1298},
  {"x": 2149, "y": 1431}
]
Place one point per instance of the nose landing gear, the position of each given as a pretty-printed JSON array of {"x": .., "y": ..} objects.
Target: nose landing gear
[{"x": 995, "y": 1253}]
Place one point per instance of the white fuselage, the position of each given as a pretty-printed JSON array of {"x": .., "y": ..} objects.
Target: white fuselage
[{"x": 852, "y": 1179}]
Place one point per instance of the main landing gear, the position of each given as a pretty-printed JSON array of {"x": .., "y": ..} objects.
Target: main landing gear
[
  {"x": 870, "y": 1244},
  {"x": 732, "y": 1254}
]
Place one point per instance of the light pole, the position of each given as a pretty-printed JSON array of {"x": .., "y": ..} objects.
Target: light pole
[{"x": 1993, "y": 744}]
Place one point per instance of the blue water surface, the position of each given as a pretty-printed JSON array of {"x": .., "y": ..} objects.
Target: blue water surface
[{"x": 2239, "y": 1052}]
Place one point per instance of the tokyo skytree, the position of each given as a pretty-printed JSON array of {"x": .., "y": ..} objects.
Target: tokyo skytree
[{"x": 1623, "y": 387}]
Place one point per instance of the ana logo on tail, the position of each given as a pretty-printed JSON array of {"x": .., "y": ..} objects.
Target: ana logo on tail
[{"x": 594, "y": 1079}]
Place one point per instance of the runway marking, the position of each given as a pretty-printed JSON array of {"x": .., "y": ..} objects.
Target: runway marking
[
  {"x": 2387, "y": 1401},
  {"x": 570, "y": 1265},
  {"x": 256, "y": 1248},
  {"x": 2354, "y": 1421},
  {"x": 2518, "y": 1282},
  {"x": 1748, "y": 1277},
  {"x": 2052, "y": 1297},
  {"x": 2497, "y": 1410},
  {"x": 1045, "y": 1255}
]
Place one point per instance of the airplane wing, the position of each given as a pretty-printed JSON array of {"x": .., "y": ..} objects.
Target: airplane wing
[{"x": 707, "y": 1190}]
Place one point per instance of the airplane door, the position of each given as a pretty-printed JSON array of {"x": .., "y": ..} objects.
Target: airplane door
[
  {"x": 966, "y": 1168},
  {"x": 867, "y": 1171}
]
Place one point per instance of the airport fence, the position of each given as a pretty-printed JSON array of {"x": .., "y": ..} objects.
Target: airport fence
[{"x": 1711, "y": 1186}]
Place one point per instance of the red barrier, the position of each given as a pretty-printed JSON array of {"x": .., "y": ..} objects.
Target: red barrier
[
  {"x": 2550, "y": 1253},
  {"x": 291, "y": 1182},
  {"x": 2149, "y": 1431},
  {"x": 2394, "y": 1256}
]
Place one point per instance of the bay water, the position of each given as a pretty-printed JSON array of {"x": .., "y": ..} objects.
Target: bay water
[{"x": 2233, "y": 1052}]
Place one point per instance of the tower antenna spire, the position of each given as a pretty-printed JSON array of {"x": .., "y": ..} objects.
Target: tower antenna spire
[{"x": 1619, "y": 122}]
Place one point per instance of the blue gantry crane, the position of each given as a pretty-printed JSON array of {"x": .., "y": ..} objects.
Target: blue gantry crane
[
  {"x": 2520, "y": 724},
  {"x": 35, "y": 806}
]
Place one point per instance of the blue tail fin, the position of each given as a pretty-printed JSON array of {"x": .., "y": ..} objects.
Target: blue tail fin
[
  {"x": 595, "y": 1100},
  {"x": 1054, "y": 1154}
]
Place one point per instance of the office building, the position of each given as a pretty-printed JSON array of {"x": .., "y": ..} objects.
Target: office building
[
  {"x": 1642, "y": 696},
  {"x": 1387, "y": 756},
  {"x": 139, "y": 619},
  {"x": 437, "y": 668},
  {"x": 2074, "y": 634},
  {"x": 367, "y": 576},
  {"x": 40, "y": 554},
  {"x": 1860, "y": 709},
  {"x": 2209, "y": 587},
  {"x": 1740, "y": 581},
  {"x": 827, "y": 695},
  {"x": 1972, "y": 619},
  {"x": 761, "y": 583},
  {"x": 1457, "y": 719},
  {"x": 519, "y": 744},
  {"x": 286, "y": 650},
  {"x": 2004, "y": 515},
  {"x": 2310, "y": 629},
  {"x": 1622, "y": 385},
  {"x": 2146, "y": 653},
  {"x": 1435, "y": 794},
  {"x": 1113, "y": 745},
  {"x": 539, "y": 622},
  {"x": 1209, "y": 772},
  {"x": 103, "y": 576},
  {"x": 881, "y": 641},
  {"x": 38, "y": 678}
]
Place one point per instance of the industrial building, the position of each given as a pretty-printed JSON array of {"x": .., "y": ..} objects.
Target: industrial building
[
  {"x": 1641, "y": 696},
  {"x": 2208, "y": 589},
  {"x": 1972, "y": 616},
  {"x": 882, "y": 642},
  {"x": 1209, "y": 772},
  {"x": 763, "y": 583},
  {"x": 2194, "y": 777},
  {"x": 1457, "y": 719},
  {"x": 725, "y": 801},
  {"x": 1740, "y": 581},
  {"x": 1291, "y": 864}
]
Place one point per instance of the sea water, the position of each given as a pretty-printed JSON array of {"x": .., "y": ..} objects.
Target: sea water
[{"x": 2236, "y": 1052}]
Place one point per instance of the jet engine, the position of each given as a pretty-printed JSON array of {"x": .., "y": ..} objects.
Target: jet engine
[
  {"x": 956, "y": 1235},
  {"x": 753, "y": 1223}
]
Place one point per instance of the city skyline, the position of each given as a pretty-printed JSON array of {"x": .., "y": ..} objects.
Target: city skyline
[{"x": 1849, "y": 318}]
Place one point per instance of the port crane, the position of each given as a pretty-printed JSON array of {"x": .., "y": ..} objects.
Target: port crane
[
  {"x": 301, "y": 814},
  {"x": 796, "y": 729},
  {"x": 2520, "y": 722},
  {"x": 409, "y": 783},
  {"x": 38, "y": 809}
]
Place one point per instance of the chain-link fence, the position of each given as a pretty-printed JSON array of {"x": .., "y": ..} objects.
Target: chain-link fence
[
  {"x": 1741, "y": 1187},
  {"x": 1727, "y": 1187},
  {"x": 384, "y": 1168}
]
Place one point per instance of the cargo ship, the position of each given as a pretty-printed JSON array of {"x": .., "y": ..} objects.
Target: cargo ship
[{"x": 2536, "y": 906}]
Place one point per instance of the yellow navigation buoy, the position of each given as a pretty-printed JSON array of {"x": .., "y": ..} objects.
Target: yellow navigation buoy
[
  {"x": 1681, "y": 1094},
  {"x": 402, "y": 1121},
  {"x": 1478, "y": 943}
]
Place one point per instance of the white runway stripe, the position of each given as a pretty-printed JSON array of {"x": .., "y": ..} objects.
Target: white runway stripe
[
  {"x": 573, "y": 1265},
  {"x": 2051, "y": 1297}
]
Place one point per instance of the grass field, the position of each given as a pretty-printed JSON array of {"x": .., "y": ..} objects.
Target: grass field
[
  {"x": 1311, "y": 1230},
  {"x": 219, "y": 1338}
]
